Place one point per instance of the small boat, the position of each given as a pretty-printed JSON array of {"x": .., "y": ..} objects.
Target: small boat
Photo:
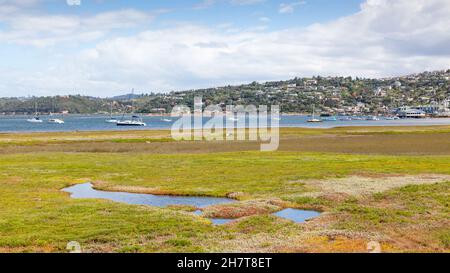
[
  {"x": 111, "y": 119},
  {"x": 56, "y": 121},
  {"x": 36, "y": 118},
  {"x": 392, "y": 118},
  {"x": 313, "y": 117},
  {"x": 233, "y": 119},
  {"x": 134, "y": 121},
  {"x": 373, "y": 118},
  {"x": 164, "y": 119}
]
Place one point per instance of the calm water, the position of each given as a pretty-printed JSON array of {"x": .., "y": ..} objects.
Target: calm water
[
  {"x": 87, "y": 191},
  {"x": 96, "y": 122},
  {"x": 297, "y": 215}
]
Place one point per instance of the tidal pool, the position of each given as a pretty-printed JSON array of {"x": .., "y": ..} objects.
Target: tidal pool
[
  {"x": 87, "y": 191},
  {"x": 297, "y": 215}
]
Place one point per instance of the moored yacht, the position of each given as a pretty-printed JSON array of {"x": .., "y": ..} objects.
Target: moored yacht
[
  {"x": 373, "y": 118},
  {"x": 111, "y": 119},
  {"x": 134, "y": 121},
  {"x": 36, "y": 118},
  {"x": 313, "y": 117},
  {"x": 56, "y": 121}
]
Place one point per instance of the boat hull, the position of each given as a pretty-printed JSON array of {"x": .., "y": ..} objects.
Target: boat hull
[{"x": 131, "y": 124}]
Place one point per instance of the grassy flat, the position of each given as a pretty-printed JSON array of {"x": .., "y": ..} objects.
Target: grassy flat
[{"x": 386, "y": 184}]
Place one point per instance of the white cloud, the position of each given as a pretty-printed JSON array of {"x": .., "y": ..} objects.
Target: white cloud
[
  {"x": 48, "y": 30},
  {"x": 290, "y": 7},
  {"x": 384, "y": 38}
]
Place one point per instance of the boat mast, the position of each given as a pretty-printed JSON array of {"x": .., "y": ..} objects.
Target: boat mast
[{"x": 132, "y": 102}]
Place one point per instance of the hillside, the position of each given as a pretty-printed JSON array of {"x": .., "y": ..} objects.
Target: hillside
[{"x": 329, "y": 94}]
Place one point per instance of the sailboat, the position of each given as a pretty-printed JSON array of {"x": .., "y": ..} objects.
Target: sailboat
[
  {"x": 313, "y": 117},
  {"x": 111, "y": 119},
  {"x": 55, "y": 120},
  {"x": 373, "y": 118},
  {"x": 36, "y": 118},
  {"x": 165, "y": 119},
  {"x": 134, "y": 121}
]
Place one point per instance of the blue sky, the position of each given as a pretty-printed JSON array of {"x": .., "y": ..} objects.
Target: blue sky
[
  {"x": 107, "y": 47},
  {"x": 218, "y": 12}
]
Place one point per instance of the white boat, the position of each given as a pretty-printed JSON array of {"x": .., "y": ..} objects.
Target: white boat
[
  {"x": 166, "y": 120},
  {"x": 313, "y": 117},
  {"x": 392, "y": 118},
  {"x": 134, "y": 121},
  {"x": 111, "y": 119},
  {"x": 36, "y": 118},
  {"x": 233, "y": 119},
  {"x": 373, "y": 118},
  {"x": 56, "y": 121}
]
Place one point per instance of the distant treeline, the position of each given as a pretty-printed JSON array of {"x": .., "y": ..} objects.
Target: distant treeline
[{"x": 71, "y": 104}]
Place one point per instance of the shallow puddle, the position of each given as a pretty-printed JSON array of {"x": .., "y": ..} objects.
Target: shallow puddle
[
  {"x": 297, "y": 215},
  {"x": 87, "y": 191}
]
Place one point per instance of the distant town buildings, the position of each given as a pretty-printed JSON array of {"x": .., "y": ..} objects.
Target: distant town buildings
[{"x": 416, "y": 95}]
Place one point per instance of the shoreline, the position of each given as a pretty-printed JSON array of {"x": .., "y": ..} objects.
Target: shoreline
[
  {"x": 169, "y": 115},
  {"x": 154, "y": 129}
]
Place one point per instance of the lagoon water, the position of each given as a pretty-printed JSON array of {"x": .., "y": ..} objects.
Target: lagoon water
[
  {"x": 97, "y": 123},
  {"x": 297, "y": 215},
  {"x": 87, "y": 191}
]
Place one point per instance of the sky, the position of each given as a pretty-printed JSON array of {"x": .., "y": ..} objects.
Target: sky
[{"x": 108, "y": 47}]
